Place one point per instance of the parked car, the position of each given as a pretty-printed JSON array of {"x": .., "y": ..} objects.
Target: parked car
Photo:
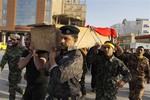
[{"x": 3, "y": 46}]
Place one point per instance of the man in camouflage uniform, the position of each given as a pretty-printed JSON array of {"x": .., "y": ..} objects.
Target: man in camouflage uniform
[
  {"x": 147, "y": 54},
  {"x": 12, "y": 55},
  {"x": 139, "y": 68},
  {"x": 66, "y": 69},
  {"x": 109, "y": 69}
]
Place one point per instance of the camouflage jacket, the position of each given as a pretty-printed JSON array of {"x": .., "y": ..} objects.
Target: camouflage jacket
[
  {"x": 108, "y": 72},
  {"x": 139, "y": 67},
  {"x": 12, "y": 56},
  {"x": 64, "y": 78}
]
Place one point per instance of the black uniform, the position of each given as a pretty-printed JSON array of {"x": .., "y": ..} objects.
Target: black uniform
[
  {"x": 64, "y": 78},
  {"x": 84, "y": 67},
  {"x": 92, "y": 65},
  {"x": 36, "y": 88}
]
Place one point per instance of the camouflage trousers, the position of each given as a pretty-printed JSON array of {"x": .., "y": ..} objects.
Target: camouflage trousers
[
  {"x": 136, "y": 88},
  {"x": 105, "y": 97},
  {"x": 14, "y": 78},
  {"x": 106, "y": 91}
]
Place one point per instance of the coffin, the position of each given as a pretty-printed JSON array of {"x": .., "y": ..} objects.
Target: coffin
[
  {"x": 45, "y": 37},
  {"x": 88, "y": 37}
]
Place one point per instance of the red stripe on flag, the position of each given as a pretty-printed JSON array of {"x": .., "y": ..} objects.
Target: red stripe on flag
[
  {"x": 105, "y": 31},
  {"x": 113, "y": 33}
]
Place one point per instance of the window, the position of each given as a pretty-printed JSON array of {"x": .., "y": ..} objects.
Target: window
[
  {"x": 138, "y": 22},
  {"x": 47, "y": 13},
  {"x": 146, "y": 25},
  {"x": 5, "y": 1},
  {"x": 47, "y": 2},
  {"x": 4, "y": 22},
  {"x": 26, "y": 12},
  {"x": 4, "y": 11},
  {"x": 145, "y": 31}
]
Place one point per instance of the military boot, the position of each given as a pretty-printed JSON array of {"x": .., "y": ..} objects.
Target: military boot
[{"x": 19, "y": 90}]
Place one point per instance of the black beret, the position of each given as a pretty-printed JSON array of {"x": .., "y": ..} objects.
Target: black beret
[{"x": 69, "y": 30}]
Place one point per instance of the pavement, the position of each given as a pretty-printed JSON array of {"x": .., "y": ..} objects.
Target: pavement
[{"x": 122, "y": 93}]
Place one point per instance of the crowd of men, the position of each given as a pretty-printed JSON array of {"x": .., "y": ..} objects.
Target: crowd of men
[{"x": 61, "y": 73}]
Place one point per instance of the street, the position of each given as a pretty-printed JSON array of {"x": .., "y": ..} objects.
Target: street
[{"x": 122, "y": 93}]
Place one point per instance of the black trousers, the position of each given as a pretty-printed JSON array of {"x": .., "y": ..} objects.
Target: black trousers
[
  {"x": 37, "y": 92},
  {"x": 64, "y": 98},
  {"x": 94, "y": 75}
]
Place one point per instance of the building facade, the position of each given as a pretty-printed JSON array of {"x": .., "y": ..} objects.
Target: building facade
[
  {"x": 73, "y": 12},
  {"x": 126, "y": 39},
  {"x": 15, "y": 15},
  {"x": 133, "y": 33},
  {"x": 132, "y": 41},
  {"x": 140, "y": 27}
]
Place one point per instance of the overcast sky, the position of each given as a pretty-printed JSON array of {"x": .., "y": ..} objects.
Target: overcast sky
[{"x": 104, "y": 13}]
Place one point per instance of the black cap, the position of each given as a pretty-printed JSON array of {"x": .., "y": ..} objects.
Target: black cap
[{"x": 69, "y": 30}]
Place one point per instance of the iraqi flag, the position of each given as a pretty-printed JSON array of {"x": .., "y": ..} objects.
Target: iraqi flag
[{"x": 105, "y": 31}]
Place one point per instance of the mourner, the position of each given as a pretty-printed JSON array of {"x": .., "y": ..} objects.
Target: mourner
[
  {"x": 12, "y": 55},
  {"x": 109, "y": 68},
  {"x": 35, "y": 74},
  {"x": 66, "y": 68},
  {"x": 139, "y": 68}
]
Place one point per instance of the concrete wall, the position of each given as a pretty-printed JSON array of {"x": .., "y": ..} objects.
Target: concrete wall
[
  {"x": 57, "y": 8},
  {"x": 76, "y": 11}
]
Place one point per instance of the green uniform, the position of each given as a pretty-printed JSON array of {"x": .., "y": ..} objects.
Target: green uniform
[
  {"x": 12, "y": 56},
  {"x": 108, "y": 72},
  {"x": 139, "y": 68}
]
